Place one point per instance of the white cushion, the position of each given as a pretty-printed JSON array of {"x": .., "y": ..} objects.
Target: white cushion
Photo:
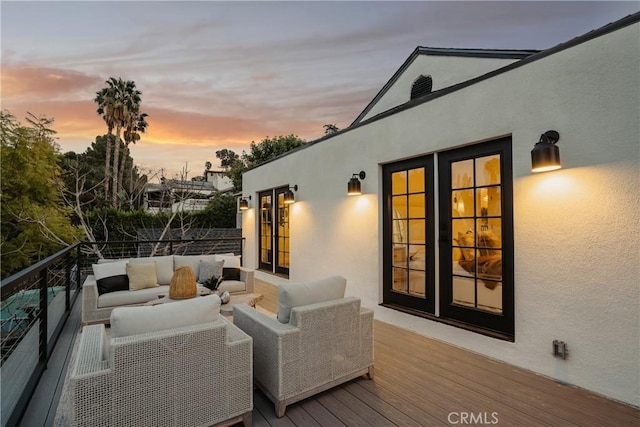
[
  {"x": 126, "y": 321},
  {"x": 107, "y": 260},
  {"x": 298, "y": 294},
  {"x": 142, "y": 276},
  {"x": 108, "y": 269},
  {"x": 115, "y": 299},
  {"x": 230, "y": 261},
  {"x": 164, "y": 267},
  {"x": 232, "y": 286},
  {"x": 192, "y": 261}
]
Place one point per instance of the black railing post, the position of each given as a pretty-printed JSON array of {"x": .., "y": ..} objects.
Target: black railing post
[
  {"x": 44, "y": 299},
  {"x": 79, "y": 268},
  {"x": 67, "y": 288}
]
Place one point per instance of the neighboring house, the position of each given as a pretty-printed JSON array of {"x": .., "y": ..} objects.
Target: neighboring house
[
  {"x": 453, "y": 236},
  {"x": 172, "y": 195}
]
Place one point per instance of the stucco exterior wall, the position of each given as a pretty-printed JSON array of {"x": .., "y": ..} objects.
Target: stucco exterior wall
[
  {"x": 577, "y": 250},
  {"x": 445, "y": 71}
]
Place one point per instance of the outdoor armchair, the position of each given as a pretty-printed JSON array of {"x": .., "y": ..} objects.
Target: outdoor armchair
[
  {"x": 191, "y": 375},
  {"x": 323, "y": 345}
]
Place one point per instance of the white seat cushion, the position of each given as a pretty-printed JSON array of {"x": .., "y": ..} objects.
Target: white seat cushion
[
  {"x": 230, "y": 260},
  {"x": 126, "y": 321},
  {"x": 232, "y": 286},
  {"x": 118, "y": 298},
  {"x": 298, "y": 294}
]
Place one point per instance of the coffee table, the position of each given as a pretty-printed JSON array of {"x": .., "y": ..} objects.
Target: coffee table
[{"x": 250, "y": 299}]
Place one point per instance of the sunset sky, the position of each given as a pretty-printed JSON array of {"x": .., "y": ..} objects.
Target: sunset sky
[{"x": 222, "y": 74}]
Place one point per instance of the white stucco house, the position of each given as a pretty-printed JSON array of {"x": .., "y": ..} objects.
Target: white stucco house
[{"x": 453, "y": 236}]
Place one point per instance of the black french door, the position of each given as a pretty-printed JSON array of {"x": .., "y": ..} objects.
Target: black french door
[
  {"x": 408, "y": 253},
  {"x": 476, "y": 236}
]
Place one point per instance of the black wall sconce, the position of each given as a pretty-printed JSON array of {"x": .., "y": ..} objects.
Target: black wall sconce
[
  {"x": 353, "y": 187},
  {"x": 289, "y": 197},
  {"x": 244, "y": 203},
  {"x": 545, "y": 155}
]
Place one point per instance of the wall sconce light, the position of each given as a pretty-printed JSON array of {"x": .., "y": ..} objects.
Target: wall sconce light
[
  {"x": 289, "y": 197},
  {"x": 244, "y": 203},
  {"x": 545, "y": 155},
  {"x": 353, "y": 187}
]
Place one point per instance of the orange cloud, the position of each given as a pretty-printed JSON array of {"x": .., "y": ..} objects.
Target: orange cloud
[{"x": 19, "y": 81}]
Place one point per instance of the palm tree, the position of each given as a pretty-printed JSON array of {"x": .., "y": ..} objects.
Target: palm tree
[
  {"x": 116, "y": 104},
  {"x": 105, "y": 98},
  {"x": 135, "y": 125}
]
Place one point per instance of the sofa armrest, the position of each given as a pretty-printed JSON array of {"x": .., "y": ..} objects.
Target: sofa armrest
[
  {"x": 247, "y": 276},
  {"x": 89, "y": 299},
  {"x": 275, "y": 346},
  {"x": 91, "y": 353}
]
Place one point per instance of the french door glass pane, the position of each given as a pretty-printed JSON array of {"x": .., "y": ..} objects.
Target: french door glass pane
[
  {"x": 476, "y": 224},
  {"x": 487, "y": 170},
  {"x": 462, "y": 203},
  {"x": 416, "y": 180},
  {"x": 265, "y": 230},
  {"x": 409, "y": 201},
  {"x": 417, "y": 281},
  {"x": 462, "y": 174},
  {"x": 488, "y": 201},
  {"x": 283, "y": 232},
  {"x": 399, "y": 182},
  {"x": 400, "y": 207}
]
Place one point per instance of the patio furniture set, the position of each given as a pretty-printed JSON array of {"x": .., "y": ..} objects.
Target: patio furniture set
[{"x": 186, "y": 364}]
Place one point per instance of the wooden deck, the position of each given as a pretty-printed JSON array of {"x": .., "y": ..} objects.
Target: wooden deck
[{"x": 418, "y": 382}]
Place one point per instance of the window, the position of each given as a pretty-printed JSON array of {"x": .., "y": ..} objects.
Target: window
[
  {"x": 274, "y": 237},
  {"x": 473, "y": 239}
]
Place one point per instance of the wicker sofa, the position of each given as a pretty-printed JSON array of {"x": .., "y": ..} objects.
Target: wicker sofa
[
  {"x": 320, "y": 345},
  {"x": 96, "y": 307},
  {"x": 198, "y": 373}
]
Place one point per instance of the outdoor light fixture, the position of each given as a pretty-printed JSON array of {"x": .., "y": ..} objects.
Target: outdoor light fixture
[
  {"x": 289, "y": 197},
  {"x": 244, "y": 203},
  {"x": 353, "y": 187},
  {"x": 545, "y": 155}
]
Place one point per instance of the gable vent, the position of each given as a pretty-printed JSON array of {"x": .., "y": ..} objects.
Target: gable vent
[{"x": 421, "y": 86}]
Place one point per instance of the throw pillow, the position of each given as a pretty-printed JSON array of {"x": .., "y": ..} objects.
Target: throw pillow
[
  {"x": 142, "y": 276},
  {"x": 295, "y": 295},
  {"x": 126, "y": 321},
  {"x": 192, "y": 261},
  {"x": 111, "y": 277},
  {"x": 229, "y": 260},
  {"x": 209, "y": 269},
  {"x": 231, "y": 273},
  {"x": 164, "y": 267}
]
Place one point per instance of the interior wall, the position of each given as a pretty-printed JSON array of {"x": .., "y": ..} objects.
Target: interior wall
[{"x": 576, "y": 229}]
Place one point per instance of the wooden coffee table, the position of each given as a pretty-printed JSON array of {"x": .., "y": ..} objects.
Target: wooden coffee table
[{"x": 250, "y": 299}]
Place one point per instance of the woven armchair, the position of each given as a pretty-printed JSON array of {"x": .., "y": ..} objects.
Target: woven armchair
[
  {"x": 190, "y": 376},
  {"x": 323, "y": 345}
]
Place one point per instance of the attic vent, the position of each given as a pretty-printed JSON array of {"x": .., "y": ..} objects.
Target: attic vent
[{"x": 421, "y": 87}]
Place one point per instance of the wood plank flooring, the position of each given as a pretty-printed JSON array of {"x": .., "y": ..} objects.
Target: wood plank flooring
[{"x": 418, "y": 382}]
